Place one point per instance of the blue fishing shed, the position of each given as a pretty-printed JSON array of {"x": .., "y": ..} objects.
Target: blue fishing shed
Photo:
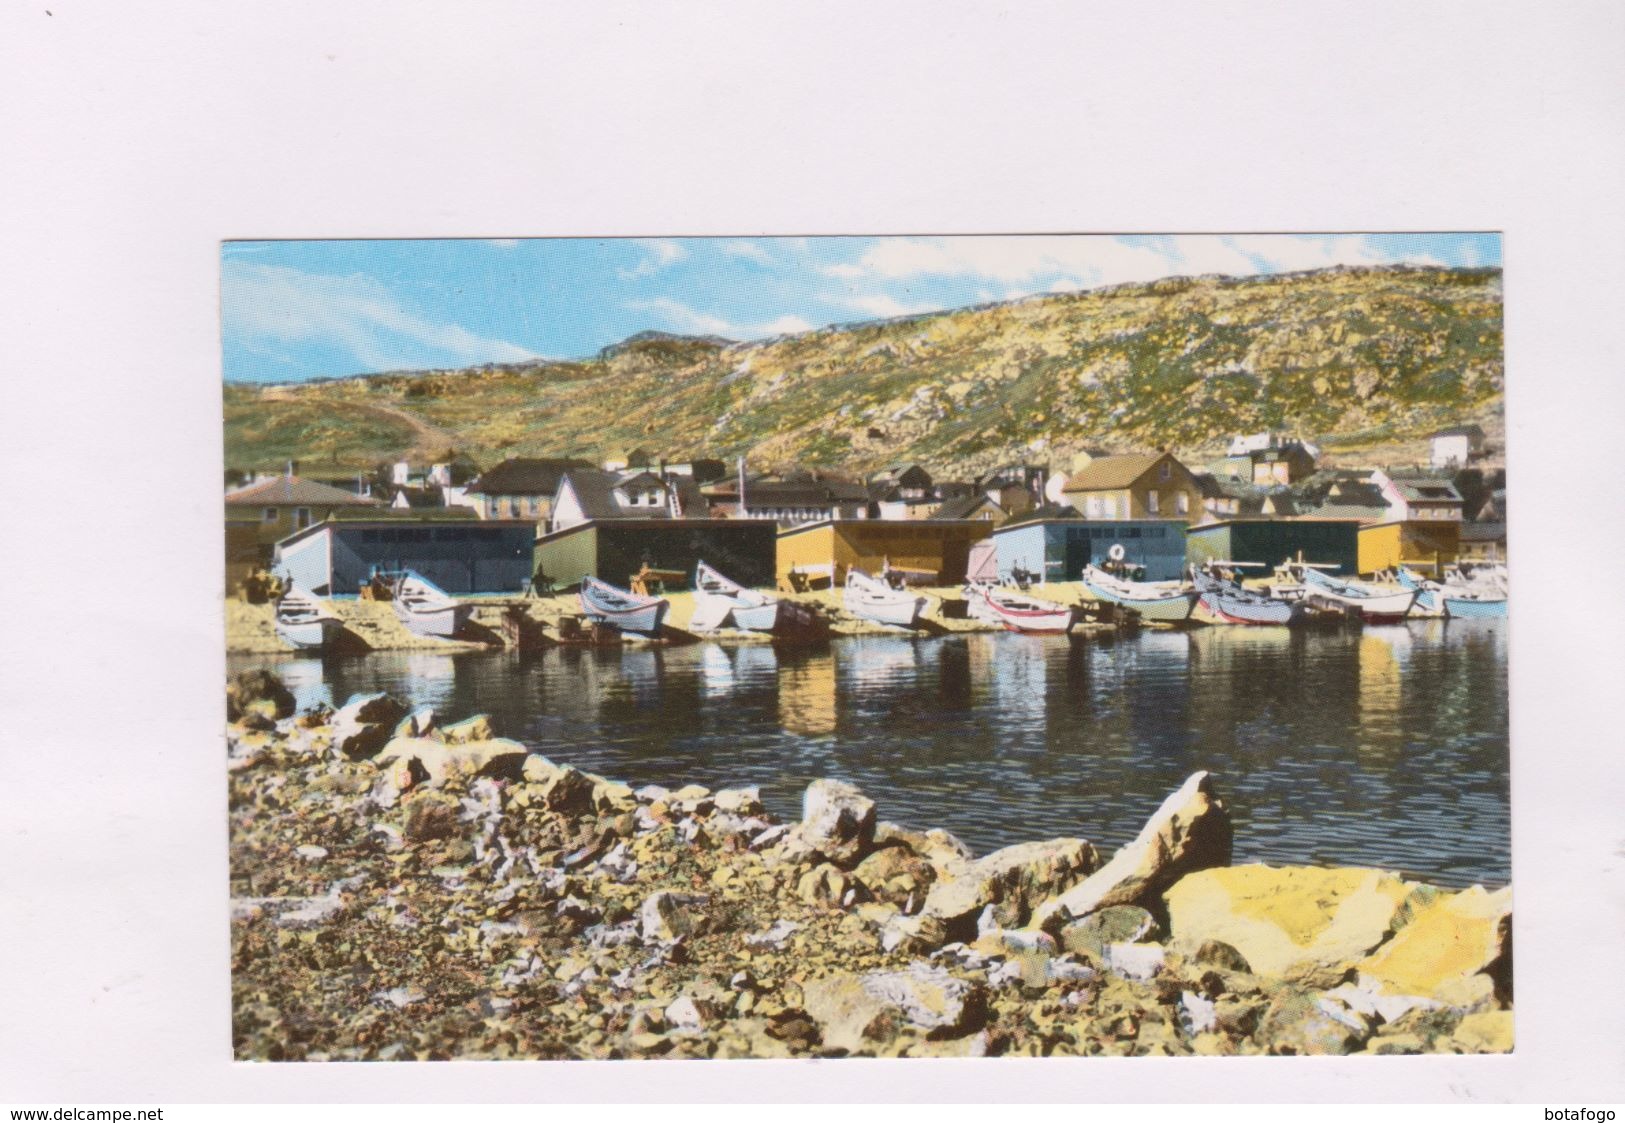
[
  {"x": 1059, "y": 548},
  {"x": 461, "y": 555}
]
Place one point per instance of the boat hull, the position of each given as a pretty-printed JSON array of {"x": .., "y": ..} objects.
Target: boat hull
[
  {"x": 311, "y": 635},
  {"x": 440, "y": 621},
  {"x": 872, "y": 600},
  {"x": 639, "y": 615},
  {"x": 757, "y": 617},
  {"x": 1466, "y": 608},
  {"x": 1169, "y": 610}
]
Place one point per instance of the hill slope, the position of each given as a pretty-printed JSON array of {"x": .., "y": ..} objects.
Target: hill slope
[{"x": 1355, "y": 357}]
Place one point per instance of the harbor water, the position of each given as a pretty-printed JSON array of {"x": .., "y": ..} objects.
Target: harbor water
[{"x": 1382, "y": 746}]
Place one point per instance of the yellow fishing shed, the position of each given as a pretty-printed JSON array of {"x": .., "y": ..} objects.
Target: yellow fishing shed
[
  {"x": 1425, "y": 546},
  {"x": 930, "y": 551}
]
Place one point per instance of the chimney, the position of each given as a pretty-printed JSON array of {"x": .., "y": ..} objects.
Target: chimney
[{"x": 293, "y": 467}]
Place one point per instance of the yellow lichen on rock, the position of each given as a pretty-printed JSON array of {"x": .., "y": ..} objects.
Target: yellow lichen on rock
[
  {"x": 1297, "y": 923},
  {"x": 1443, "y": 951}
]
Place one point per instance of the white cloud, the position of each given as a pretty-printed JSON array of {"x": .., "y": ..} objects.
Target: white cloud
[
  {"x": 680, "y": 317},
  {"x": 881, "y": 305},
  {"x": 662, "y": 252},
  {"x": 751, "y": 251},
  {"x": 266, "y": 304},
  {"x": 1060, "y": 263}
]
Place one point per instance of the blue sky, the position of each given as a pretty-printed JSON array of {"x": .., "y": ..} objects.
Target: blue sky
[{"x": 294, "y": 310}]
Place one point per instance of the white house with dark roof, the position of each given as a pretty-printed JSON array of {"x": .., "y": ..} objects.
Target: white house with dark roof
[
  {"x": 1456, "y": 446},
  {"x": 586, "y": 494},
  {"x": 1418, "y": 498}
]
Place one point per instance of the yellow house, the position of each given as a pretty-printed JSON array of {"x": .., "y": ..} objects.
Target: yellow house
[
  {"x": 932, "y": 551},
  {"x": 1427, "y": 547},
  {"x": 1151, "y": 485}
]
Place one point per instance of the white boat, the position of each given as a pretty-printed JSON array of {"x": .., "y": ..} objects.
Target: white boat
[
  {"x": 426, "y": 609},
  {"x": 720, "y": 601},
  {"x": 870, "y": 598},
  {"x": 1374, "y": 603},
  {"x": 1166, "y": 601},
  {"x": 976, "y": 603},
  {"x": 628, "y": 611},
  {"x": 307, "y": 621},
  {"x": 1030, "y": 615}
]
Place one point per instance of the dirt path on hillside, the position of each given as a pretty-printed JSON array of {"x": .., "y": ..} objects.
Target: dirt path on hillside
[{"x": 428, "y": 439}]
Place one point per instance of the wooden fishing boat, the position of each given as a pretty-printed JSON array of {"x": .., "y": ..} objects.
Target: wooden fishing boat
[
  {"x": 307, "y": 621},
  {"x": 1029, "y": 615},
  {"x": 976, "y": 605},
  {"x": 721, "y": 602},
  {"x": 1375, "y": 605},
  {"x": 870, "y": 598},
  {"x": 426, "y": 609},
  {"x": 1472, "y": 605},
  {"x": 628, "y": 611},
  {"x": 1165, "y": 602},
  {"x": 1230, "y": 603}
]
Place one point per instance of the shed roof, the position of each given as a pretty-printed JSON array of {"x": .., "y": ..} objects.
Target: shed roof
[
  {"x": 964, "y": 507},
  {"x": 1426, "y": 489},
  {"x": 294, "y": 491}
]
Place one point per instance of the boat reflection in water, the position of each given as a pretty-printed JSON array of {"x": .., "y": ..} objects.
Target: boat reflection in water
[{"x": 1382, "y": 746}]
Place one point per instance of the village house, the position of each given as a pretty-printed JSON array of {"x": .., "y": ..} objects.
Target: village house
[
  {"x": 980, "y": 505},
  {"x": 1134, "y": 486},
  {"x": 1418, "y": 498},
  {"x": 586, "y": 494},
  {"x": 1267, "y": 459},
  {"x": 282, "y": 505},
  {"x": 1429, "y": 547},
  {"x": 1456, "y": 447},
  {"x": 520, "y": 487},
  {"x": 1483, "y": 542},
  {"x": 791, "y": 498}
]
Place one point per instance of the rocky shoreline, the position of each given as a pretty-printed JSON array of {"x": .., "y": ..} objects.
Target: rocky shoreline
[{"x": 406, "y": 888}]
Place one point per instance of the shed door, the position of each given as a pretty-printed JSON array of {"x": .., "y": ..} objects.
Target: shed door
[{"x": 1077, "y": 556}]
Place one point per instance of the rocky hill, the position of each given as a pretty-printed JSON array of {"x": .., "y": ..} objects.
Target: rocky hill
[{"x": 1364, "y": 360}]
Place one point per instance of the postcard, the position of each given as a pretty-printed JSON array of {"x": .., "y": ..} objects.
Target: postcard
[{"x": 902, "y": 647}]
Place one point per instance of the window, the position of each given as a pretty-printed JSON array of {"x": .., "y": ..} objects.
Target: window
[
  {"x": 1108, "y": 506},
  {"x": 1182, "y": 503},
  {"x": 1166, "y": 471},
  {"x": 1153, "y": 502},
  {"x": 1093, "y": 506},
  {"x": 269, "y": 515},
  {"x": 301, "y": 517}
]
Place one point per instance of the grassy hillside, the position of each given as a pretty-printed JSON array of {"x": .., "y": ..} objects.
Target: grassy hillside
[{"x": 1362, "y": 359}]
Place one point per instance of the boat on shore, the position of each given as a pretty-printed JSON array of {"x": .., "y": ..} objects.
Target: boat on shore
[
  {"x": 426, "y": 609},
  {"x": 1460, "y": 598},
  {"x": 1230, "y": 603},
  {"x": 1018, "y": 612},
  {"x": 720, "y": 602},
  {"x": 870, "y": 598},
  {"x": 1166, "y": 602},
  {"x": 307, "y": 621},
  {"x": 628, "y": 611},
  {"x": 1376, "y": 605}
]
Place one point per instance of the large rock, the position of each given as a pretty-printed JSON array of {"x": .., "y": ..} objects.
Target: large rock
[
  {"x": 858, "y": 1012},
  {"x": 1119, "y": 924},
  {"x": 250, "y": 687},
  {"x": 1307, "y": 1025},
  {"x": 432, "y": 816},
  {"x": 936, "y": 846},
  {"x": 373, "y": 709},
  {"x": 1013, "y": 880},
  {"x": 440, "y": 762},
  {"x": 896, "y": 875},
  {"x": 1449, "y": 951},
  {"x": 476, "y": 728},
  {"x": 1190, "y": 831},
  {"x": 1309, "y": 926},
  {"x": 837, "y": 822},
  {"x": 364, "y": 724}
]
